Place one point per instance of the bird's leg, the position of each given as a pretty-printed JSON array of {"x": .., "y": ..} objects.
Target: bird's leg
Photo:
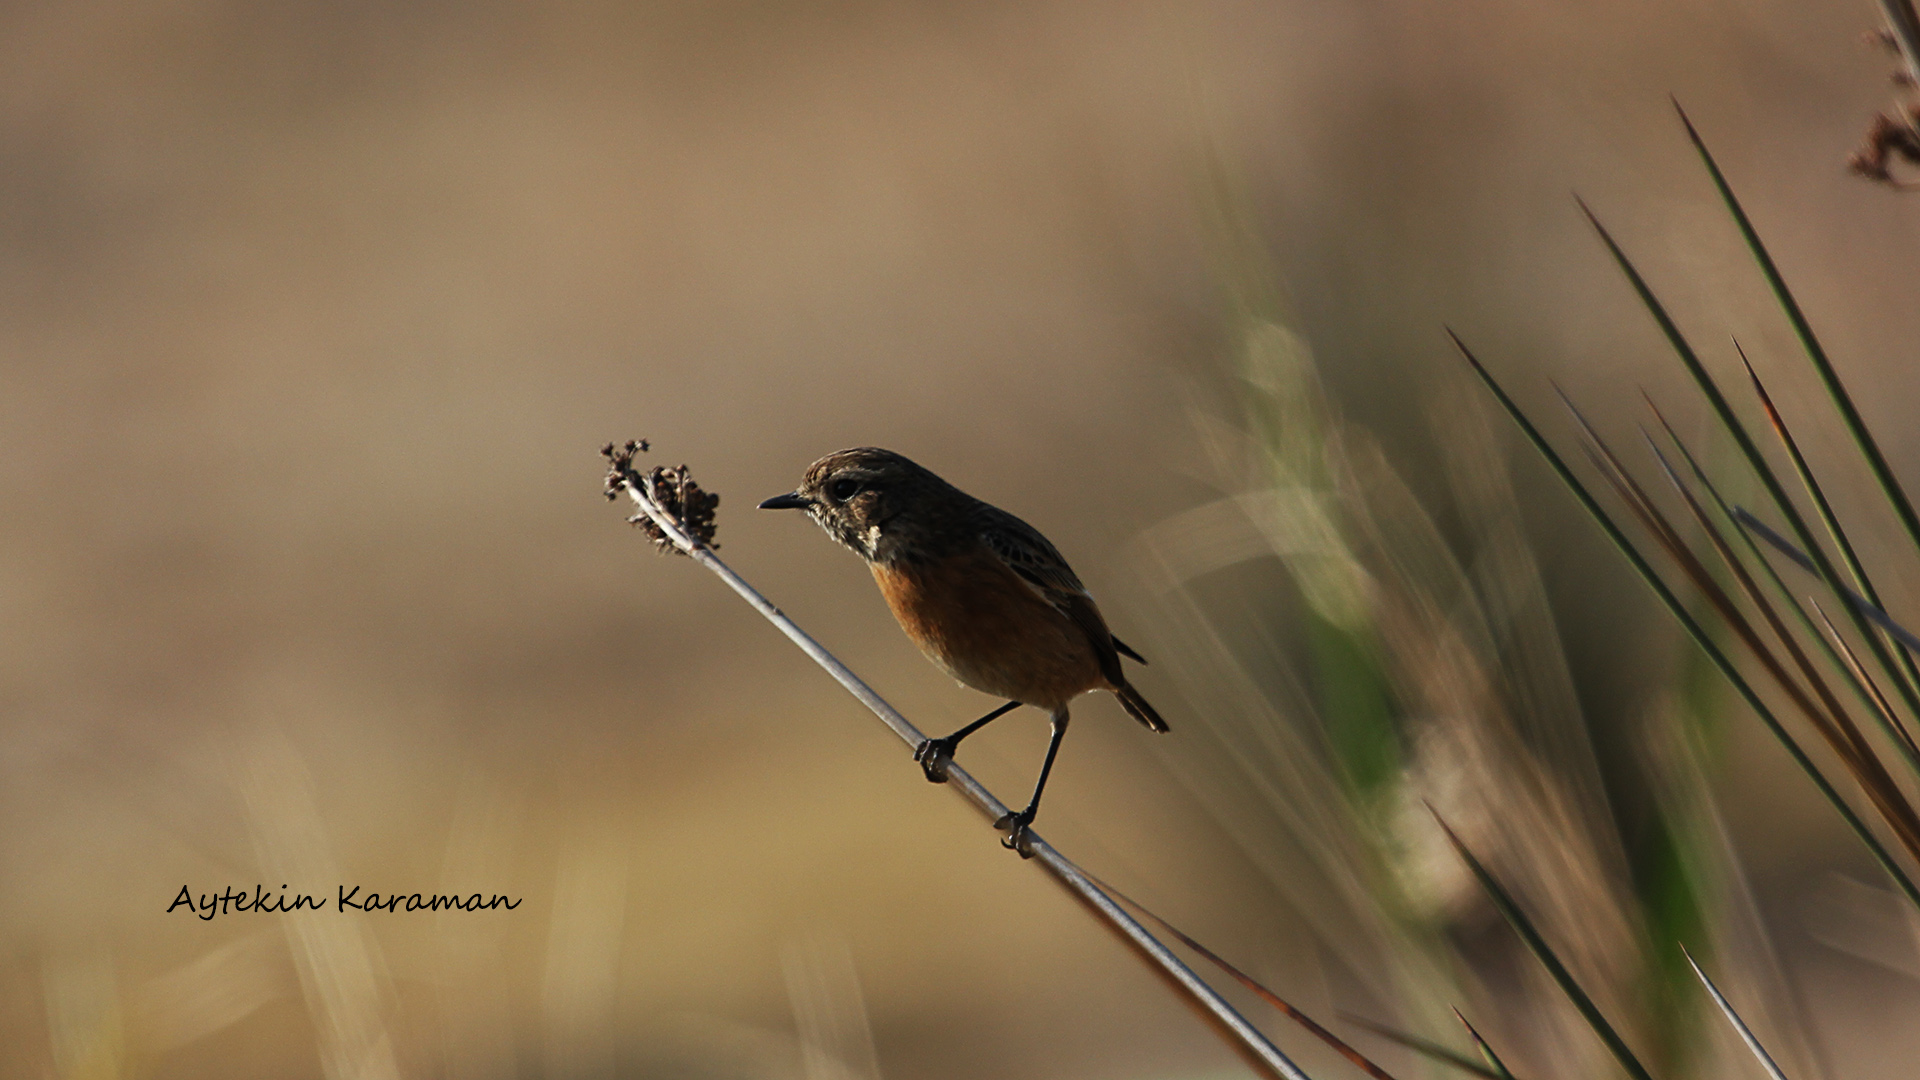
[
  {"x": 934, "y": 754},
  {"x": 1016, "y": 824}
]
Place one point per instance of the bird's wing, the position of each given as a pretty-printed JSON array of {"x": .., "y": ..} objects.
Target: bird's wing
[
  {"x": 1028, "y": 554},
  {"x": 1040, "y": 565}
]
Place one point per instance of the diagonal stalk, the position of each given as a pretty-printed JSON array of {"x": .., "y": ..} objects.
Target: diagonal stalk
[
  {"x": 1359, "y": 1060},
  {"x": 1785, "y": 547},
  {"x": 1839, "y": 732},
  {"x": 1630, "y": 492},
  {"x": 1243, "y": 1036},
  {"x": 1835, "y": 713}
]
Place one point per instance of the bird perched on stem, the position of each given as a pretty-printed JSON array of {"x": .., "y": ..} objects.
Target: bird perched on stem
[{"x": 982, "y": 593}]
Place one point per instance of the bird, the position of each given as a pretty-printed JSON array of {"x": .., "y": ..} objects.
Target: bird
[{"x": 983, "y": 594}]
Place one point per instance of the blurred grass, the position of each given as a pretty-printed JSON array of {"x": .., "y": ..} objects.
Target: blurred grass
[
  {"x": 1362, "y": 574},
  {"x": 1805, "y": 680},
  {"x": 1417, "y": 676}
]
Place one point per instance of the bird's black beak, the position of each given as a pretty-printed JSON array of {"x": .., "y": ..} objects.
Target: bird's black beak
[{"x": 792, "y": 500}]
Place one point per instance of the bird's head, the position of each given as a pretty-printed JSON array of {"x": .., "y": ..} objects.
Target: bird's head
[{"x": 874, "y": 501}]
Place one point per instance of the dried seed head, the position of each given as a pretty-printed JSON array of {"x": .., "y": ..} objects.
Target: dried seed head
[
  {"x": 1886, "y": 140},
  {"x": 685, "y": 502},
  {"x": 620, "y": 464},
  {"x": 671, "y": 490}
]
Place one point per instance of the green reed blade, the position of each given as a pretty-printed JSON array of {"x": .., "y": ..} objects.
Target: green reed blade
[
  {"x": 1841, "y": 725},
  {"x": 1825, "y": 509},
  {"x": 1863, "y": 687},
  {"x": 1485, "y": 1048},
  {"x": 1426, "y": 1047},
  {"x": 1692, "y": 626},
  {"x": 1909, "y": 694},
  {"x": 1842, "y": 401},
  {"x": 1875, "y": 698},
  {"x": 1543, "y": 952},
  {"x": 1838, "y": 726},
  {"x": 1828, "y": 718},
  {"x": 1807, "y": 480},
  {"x": 1655, "y": 521},
  {"x": 1785, "y": 546}
]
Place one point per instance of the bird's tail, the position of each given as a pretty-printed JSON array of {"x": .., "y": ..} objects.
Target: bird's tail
[{"x": 1138, "y": 708}]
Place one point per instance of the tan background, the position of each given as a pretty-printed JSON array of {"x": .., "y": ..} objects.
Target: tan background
[{"x": 311, "y": 320}]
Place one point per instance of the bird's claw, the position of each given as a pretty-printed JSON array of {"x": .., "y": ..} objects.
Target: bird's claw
[
  {"x": 934, "y": 755},
  {"x": 1019, "y": 838}
]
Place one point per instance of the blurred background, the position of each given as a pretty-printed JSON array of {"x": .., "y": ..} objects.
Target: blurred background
[{"x": 313, "y": 318}]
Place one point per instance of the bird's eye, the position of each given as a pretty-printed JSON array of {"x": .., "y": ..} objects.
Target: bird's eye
[{"x": 842, "y": 490}]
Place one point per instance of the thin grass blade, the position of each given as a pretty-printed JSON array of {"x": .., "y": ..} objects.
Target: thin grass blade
[
  {"x": 1739, "y": 1025},
  {"x": 1750, "y": 450},
  {"x": 1835, "y": 715},
  {"x": 1691, "y": 625},
  {"x": 1782, "y": 544},
  {"x": 1807, "y": 480},
  {"x": 1425, "y": 1047},
  {"x": 1836, "y": 729},
  {"x": 1485, "y": 1048},
  {"x": 1543, "y": 952},
  {"x": 1825, "y": 509},
  {"x": 1842, "y": 401},
  {"x": 1859, "y": 603},
  {"x": 1863, "y": 686},
  {"x": 1729, "y": 611},
  {"x": 1860, "y": 675},
  {"x": 1829, "y": 718}
]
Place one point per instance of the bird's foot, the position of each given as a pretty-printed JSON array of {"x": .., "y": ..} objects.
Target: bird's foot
[
  {"x": 934, "y": 755},
  {"x": 1019, "y": 838}
]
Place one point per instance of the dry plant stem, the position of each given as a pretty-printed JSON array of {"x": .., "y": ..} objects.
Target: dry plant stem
[
  {"x": 1859, "y": 603},
  {"x": 1529, "y": 934},
  {"x": 1243, "y": 1035},
  {"x": 1360, "y": 1061},
  {"x": 1836, "y": 713},
  {"x": 1901, "y": 14}
]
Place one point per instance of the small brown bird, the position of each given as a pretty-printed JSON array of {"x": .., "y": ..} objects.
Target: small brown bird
[{"x": 982, "y": 593}]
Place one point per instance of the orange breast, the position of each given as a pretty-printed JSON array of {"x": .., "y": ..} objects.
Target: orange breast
[{"x": 979, "y": 622}]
